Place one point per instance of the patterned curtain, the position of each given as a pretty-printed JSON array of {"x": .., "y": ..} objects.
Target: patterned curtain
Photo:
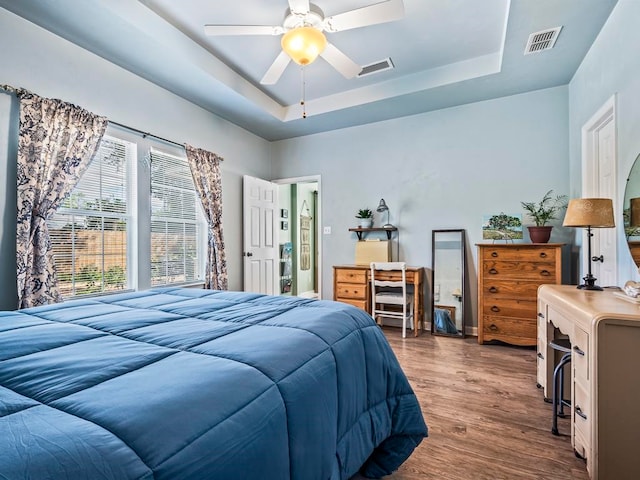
[
  {"x": 55, "y": 145},
  {"x": 205, "y": 168}
]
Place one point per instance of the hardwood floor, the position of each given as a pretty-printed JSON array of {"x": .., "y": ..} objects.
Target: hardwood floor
[{"x": 486, "y": 417}]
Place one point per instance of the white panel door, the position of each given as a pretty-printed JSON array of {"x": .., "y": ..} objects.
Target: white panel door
[
  {"x": 260, "y": 245},
  {"x": 599, "y": 181},
  {"x": 605, "y": 238}
]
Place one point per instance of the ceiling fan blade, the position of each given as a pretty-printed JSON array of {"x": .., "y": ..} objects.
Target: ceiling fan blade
[
  {"x": 338, "y": 60},
  {"x": 242, "y": 30},
  {"x": 299, "y": 6},
  {"x": 382, "y": 12},
  {"x": 276, "y": 69}
]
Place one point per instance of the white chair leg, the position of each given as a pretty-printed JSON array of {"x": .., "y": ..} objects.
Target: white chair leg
[
  {"x": 404, "y": 321},
  {"x": 412, "y": 316}
]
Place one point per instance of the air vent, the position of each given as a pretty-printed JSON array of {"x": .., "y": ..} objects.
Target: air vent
[
  {"x": 543, "y": 40},
  {"x": 376, "y": 67}
]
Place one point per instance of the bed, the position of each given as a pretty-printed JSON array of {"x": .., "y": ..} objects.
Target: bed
[{"x": 180, "y": 383}]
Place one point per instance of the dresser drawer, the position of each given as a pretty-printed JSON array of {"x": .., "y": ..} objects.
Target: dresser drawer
[
  {"x": 351, "y": 276},
  {"x": 510, "y": 307},
  {"x": 580, "y": 355},
  {"x": 519, "y": 331},
  {"x": 361, "y": 304},
  {"x": 351, "y": 290},
  {"x": 581, "y": 410},
  {"x": 520, "y": 254},
  {"x": 495, "y": 288},
  {"x": 544, "y": 272}
]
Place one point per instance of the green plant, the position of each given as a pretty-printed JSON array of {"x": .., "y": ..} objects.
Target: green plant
[
  {"x": 545, "y": 210},
  {"x": 364, "y": 213}
]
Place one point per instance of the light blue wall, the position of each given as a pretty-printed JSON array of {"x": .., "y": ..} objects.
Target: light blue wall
[
  {"x": 444, "y": 169},
  {"x": 611, "y": 67},
  {"x": 39, "y": 61}
]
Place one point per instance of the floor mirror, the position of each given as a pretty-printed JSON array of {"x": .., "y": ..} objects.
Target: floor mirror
[{"x": 447, "y": 286}]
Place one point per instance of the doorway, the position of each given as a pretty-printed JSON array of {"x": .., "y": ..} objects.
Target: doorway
[{"x": 298, "y": 237}]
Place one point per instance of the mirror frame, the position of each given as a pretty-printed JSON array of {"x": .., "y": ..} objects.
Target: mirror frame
[
  {"x": 631, "y": 213},
  {"x": 463, "y": 269}
]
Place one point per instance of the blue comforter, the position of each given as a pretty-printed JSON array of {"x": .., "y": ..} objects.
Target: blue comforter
[{"x": 200, "y": 384}]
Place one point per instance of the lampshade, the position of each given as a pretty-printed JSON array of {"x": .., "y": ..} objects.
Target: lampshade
[
  {"x": 634, "y": 212},
  {"x": 382, "y": 206},
  {"x": 589, "y": 212},
  {"x": 303, "y": 44}
]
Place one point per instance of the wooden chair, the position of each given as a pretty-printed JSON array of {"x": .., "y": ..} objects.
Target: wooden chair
[{"x": 389, "y": 294}]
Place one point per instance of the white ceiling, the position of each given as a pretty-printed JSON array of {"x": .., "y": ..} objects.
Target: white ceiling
[{"x": 445, "y": 52}]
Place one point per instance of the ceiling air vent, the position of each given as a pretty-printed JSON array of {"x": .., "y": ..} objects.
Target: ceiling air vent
[
  {"x": 543, "y": 40},
  {"x": 376, "y": 67}
]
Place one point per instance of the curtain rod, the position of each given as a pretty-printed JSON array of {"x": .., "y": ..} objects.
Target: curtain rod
[{"x": 147, "y": 134}]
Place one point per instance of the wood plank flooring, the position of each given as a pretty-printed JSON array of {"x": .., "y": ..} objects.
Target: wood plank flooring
[{"x": 487, "y": 419}]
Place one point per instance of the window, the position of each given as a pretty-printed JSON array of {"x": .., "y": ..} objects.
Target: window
[
  {"x": 177, "y": 222},
  {"x": 133, "y": 221},
  {"x": 91, "y": 231}
]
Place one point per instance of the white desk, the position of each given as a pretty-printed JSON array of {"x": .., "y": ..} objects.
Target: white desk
[{"x": 605, "y": 375}]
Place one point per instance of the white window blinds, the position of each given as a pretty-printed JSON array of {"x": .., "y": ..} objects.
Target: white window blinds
[
  {"x": 90, "y": 232},
  {"x": 177, "y": 222}
]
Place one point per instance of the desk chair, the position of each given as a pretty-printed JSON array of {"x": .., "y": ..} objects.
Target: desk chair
[{"x": 389, "y": 292}]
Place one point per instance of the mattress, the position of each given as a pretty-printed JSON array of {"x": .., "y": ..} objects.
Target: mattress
[{"x": 179, "y": 383}]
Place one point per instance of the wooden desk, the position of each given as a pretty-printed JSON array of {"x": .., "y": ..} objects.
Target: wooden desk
[
  {"x": 352, "y": 285},
  {"x": 604, "y": 331}
]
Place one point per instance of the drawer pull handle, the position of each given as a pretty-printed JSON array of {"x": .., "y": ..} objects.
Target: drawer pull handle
[
  {"x": 545, "y": 273},
  {"x": 493, "y": 290},
  {"x": 580, "y": 413},
  {"x": 540, "y": 314},
  {"x": 494, "y": 254},
  {"x": 493, "y": 327},
  {"x": 493, "y": 271},
  {"x": 540, "y": 355},
  {"x": 495, "y": 309},
  {"x": 543, "y": 255},
  {"x": 578, "y": 350}
]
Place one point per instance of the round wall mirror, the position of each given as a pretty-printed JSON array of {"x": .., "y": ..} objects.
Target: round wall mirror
[{"x": 631, "y": 211}]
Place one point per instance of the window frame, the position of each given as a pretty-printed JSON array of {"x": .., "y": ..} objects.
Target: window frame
[{"x": 139, "y": 211}]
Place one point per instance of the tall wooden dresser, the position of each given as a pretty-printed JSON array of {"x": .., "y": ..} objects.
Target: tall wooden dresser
[{"x": 508, "y": 280}]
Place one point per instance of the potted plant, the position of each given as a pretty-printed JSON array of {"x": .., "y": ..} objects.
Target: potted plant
[
  {"x": 366, "y": 217},
  {"x": 543, "y": 212}
]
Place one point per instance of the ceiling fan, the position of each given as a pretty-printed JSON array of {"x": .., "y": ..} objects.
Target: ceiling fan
[{"x": 302, "y": 37}]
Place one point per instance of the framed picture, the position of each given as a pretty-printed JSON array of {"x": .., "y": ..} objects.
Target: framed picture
[
  {"x": 502, "y": 226},
  {"x": 284, "y": 225},
  {"x": 284, "y": 213}
]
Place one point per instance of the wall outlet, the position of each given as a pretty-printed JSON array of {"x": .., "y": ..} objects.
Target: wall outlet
[{"x": 326, "y": 230}]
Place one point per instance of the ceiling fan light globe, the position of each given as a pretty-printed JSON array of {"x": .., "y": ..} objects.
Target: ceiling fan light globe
[{"x": 303, "y": 44}]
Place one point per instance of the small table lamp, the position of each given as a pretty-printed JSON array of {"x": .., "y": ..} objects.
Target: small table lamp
[
  {"x": 382, "y": 207},
  {"x": 590, "y": 213}
]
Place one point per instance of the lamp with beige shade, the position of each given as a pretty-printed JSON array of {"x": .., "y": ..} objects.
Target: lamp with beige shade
[{"x": 590, "y": 213}]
